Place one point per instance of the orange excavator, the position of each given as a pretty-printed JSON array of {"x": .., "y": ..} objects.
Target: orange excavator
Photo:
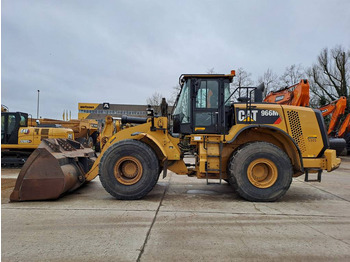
[
  {"x": 338, "y": 134},
  {"x": 299, "y": 95},
  {"x": 296, "y": 95},
  {"x": 337, "y": 109}
]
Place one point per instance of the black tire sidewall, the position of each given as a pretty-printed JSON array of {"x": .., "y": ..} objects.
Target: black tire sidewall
[
  {"x": 150, "y": 169},
  {"x": 239, "y": 165}
]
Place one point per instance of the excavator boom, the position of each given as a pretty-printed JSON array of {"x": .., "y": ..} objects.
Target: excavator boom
[
  {"x": 345, "y": 127},
  {"x": 296, "y": 95},
  {"x": 337, "y": 109}
]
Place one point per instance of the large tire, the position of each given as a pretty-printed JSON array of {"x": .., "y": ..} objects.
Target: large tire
[
  {"x": 260, "y": 171},
  {"x": 129, "y": 170}
]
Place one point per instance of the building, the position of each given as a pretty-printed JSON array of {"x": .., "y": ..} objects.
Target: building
[{"x": 99, "y": 111}]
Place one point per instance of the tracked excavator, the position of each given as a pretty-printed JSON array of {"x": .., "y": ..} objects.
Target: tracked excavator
[
  {"x": 257, "y": 147},
  {"x": 340, "y": 137},
  {"x": 19, "y": 138},
  {"x": 335, "y": 108}
]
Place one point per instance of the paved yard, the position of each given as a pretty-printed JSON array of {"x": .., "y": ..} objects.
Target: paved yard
[{"x": 182, "y": 219}]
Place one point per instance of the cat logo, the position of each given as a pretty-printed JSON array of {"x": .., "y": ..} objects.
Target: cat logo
[
  {"x": 106, "y": 106},
  {"x": 247, "y": 115}
]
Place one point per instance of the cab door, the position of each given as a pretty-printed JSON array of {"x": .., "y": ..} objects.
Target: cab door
[
  {"x": 206, "y": 105},
  {"x": 9, "y": 128}
]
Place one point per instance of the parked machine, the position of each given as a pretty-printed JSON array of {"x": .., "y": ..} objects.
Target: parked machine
[
  {"x": 19, "y": 139},
  {"x": 258, "y": 147},
  {"x": 337, "y": 130},
  {"x": 335, "y": 108},
  {"x": 85, "y": 130}
]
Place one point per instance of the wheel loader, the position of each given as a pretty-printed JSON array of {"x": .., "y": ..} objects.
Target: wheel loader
[{"x": 257, "y": 147}]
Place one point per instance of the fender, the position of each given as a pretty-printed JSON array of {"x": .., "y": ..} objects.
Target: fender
[
  {"x": 144, "y": 136},
  {"x": 283, "y": 133}
]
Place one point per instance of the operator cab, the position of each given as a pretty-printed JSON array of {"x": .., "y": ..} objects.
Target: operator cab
[
  {"x": 199, "y": 106},
  {"x": 10, "y": 124},
  {"x": 204, "y": 106}
]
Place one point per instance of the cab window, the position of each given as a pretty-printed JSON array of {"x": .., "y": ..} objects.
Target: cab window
[
  {"x": 23, "y": 121},
  {"x": 11, "y": 123},
  {"x": 207, "y": 94}
]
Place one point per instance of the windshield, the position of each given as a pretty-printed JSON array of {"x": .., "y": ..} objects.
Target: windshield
[{"x": 183, "y": 106}]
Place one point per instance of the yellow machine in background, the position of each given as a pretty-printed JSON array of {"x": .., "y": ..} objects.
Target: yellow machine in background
[
  {"x": 19, "y": 139},
  {"x": 85, "y": 130},
  {"x": 257, "y": 147}
]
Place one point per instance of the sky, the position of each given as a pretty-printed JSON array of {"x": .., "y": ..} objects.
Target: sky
[{"x": 122, "y": 52}]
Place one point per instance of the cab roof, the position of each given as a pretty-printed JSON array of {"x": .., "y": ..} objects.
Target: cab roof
[{"x": 228, "y": 76}]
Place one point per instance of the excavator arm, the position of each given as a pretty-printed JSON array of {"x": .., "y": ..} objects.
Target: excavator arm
[
  {"x": 345, "y": 127},
  {"x": 295, "y": 95},
  {"x": 337, "y": 109}
]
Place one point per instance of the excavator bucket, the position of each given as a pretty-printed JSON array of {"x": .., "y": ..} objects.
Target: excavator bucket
[{"x": 56, "y": 167}]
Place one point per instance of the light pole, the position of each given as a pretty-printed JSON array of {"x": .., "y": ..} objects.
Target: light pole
[{"x": 37, "y": 109}]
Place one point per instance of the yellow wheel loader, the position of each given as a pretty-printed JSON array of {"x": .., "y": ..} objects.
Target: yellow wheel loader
[
  {"x": 257, "y": 147},
  {"x": 19, "y": 138},
  {"x": 85, "y": 130}
]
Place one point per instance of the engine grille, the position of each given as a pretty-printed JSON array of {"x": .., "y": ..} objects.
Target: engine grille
[{"x": 297, "y": 132}]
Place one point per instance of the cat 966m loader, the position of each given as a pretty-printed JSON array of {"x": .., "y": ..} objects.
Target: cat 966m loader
[{"x": 257, "y": 147}]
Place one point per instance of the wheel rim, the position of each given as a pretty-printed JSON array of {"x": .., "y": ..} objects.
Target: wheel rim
[
  {"x": 262, "y": 173},
  {"x": 128, "y": 170}
]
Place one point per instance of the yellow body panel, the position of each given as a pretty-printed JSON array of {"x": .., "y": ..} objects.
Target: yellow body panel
[
  {"x": 31, "y": 137},
  {"x": 82, "y": 128},
  {"x": 303, "y": 127}
]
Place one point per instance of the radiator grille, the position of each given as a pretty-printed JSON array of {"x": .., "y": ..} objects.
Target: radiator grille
[{"x": 297, "y": 132}]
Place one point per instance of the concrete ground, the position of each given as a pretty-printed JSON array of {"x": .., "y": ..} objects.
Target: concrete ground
[{"x": 182, "y": 219}]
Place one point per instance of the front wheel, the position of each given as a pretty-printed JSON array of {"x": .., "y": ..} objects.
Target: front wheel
[
  {"x": 129, "y": 169},
  {"x": 260, "y": 171}
]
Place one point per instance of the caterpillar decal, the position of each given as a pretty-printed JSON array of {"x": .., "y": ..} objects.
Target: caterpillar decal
[{"x": 257, "y": 116}]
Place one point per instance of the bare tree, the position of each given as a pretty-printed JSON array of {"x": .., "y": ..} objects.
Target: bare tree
[
  {"x": 243, "y": 78},
  {"x": 330, "y": 76},
  {"x": 292, "y": 75},
  {"x": 154, "y": 100},
  {"x": 270, "y": 79}
]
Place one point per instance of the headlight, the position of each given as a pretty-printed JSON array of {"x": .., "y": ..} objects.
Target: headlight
[{"x": 70, "y": 136}]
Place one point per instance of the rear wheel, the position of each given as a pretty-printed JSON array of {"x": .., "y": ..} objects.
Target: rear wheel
[
  {"x": 260, "y": 171},
  {"x": 129, "y": 169}
]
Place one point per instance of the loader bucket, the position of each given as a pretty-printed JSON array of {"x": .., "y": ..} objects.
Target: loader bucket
[{"x": 56, "y": 167}]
